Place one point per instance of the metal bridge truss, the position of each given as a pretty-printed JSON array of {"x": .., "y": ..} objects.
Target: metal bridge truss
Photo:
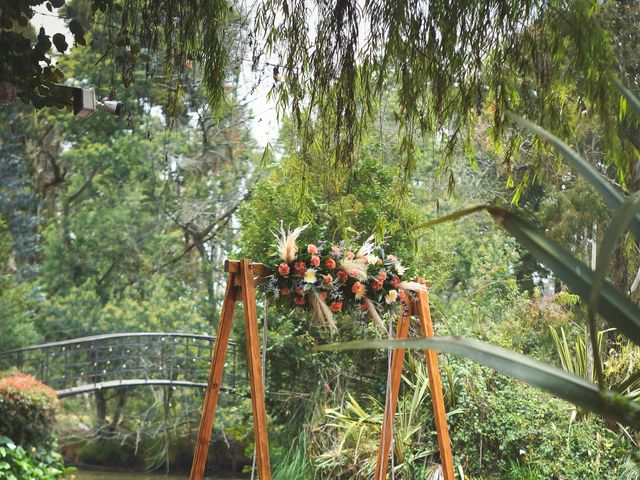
[{"x": 82, "y": 365}]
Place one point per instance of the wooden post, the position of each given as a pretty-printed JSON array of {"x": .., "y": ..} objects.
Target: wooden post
[
  {"x": 215, "y": 380},
  {"x": 240, "y": 286},
  {"x": 421, "y": 310},
  {"x": 397, "y": 362},
  {"x": 255, "y": 371},
  {"x": 435, "y": 386}
]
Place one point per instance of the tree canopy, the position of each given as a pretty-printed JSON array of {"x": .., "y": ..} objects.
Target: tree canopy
[{"x": 446, "y": 61}]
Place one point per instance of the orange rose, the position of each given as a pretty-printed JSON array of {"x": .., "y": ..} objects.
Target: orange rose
[
  {"x": 363, "y": 307},
  {"x": 300, "y": 268},
  {"x": 336, "y": 307},
  {"x": 395, "y": 282},
  {"x": 312, "y": 249},
  {"x": 327, "y": 279},
  {"x": 299, "y": 300},
  {"x": 283, "y": 269},
  {"x": 315, "y": 260},
  {"x": 376, "y": 285},
  {"x": 331, "y": 263},
  {"x": 382, "y": 276},
  {"x": 343, "y": 276},
  {"x": 356, "y": 287}
]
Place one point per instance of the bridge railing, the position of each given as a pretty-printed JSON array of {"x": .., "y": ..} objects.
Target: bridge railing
[{"x": 120, "y": 359}]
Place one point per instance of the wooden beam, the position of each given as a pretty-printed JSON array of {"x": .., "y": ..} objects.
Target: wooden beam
[
  {"x": 215, "y": 379},
  {"x": 259, "y": 269},
  {"x": 435, "y": 384},
  {"x": 397, "y": 364},
  {"x": 261, "y": 438}
]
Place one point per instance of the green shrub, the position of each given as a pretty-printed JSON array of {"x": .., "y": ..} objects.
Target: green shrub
[
  {"x": 35, "y": 464},
  {"x": 103, "y": 452},
  {"x": 510, "y": 427},
  {"x": 27, "y": 410},
  {"x": 517, "y": 471}
]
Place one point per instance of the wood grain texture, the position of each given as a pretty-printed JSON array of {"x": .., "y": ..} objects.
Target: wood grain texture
[
  {"x": 397, "y": 364},
  {"x": 255, "y": 372},
  {"x": 259, "y": 269},
  {"x": 435, "y": 384},
  {"x": 215, "y": 379}
]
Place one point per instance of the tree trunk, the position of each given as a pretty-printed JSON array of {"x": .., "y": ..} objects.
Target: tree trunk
[
  {"x": 207, "y": 273},
  {"x": 620, "y": 267},
  {"x": 594, "y": 252},
  {"x": 121, "y": 399},
  {"x": 101, "y": 411}
]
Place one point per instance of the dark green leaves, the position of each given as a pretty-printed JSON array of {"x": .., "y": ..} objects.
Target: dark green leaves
[
  {"x": 60, "y": 42},
  {"x": 611, "y": 196},
  {"x": 619, "y": 311},
  {"x": 551, "y": 379},
  {"x": 76, "y": 28},
  {"x": 629, "y": 97}
]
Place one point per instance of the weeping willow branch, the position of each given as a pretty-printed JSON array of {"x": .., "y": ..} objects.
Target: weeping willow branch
[{"x": 444, "y": 60}]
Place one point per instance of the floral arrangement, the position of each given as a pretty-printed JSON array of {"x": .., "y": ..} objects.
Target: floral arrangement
[{"x": 332, "y": 278}]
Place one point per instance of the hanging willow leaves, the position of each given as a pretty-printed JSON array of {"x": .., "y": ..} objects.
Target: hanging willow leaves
[
  {"x": 546, "y": 377},
  {"x": 178, "y": 33},
  {"x": 443, "y": 60}
]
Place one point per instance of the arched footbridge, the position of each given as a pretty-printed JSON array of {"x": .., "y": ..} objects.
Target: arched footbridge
[{"x": 117, "y": 360}]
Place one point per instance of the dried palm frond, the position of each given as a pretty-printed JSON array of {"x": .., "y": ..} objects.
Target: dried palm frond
[
  {"x": 354, "y": 268},
  {"x": 323, "y": 313},
  {"x": 377, "y": 320},
  {"x": 413, "y": 286},
  {"x": 286, "y": 242},
  {"x": 366, "y": 248}
]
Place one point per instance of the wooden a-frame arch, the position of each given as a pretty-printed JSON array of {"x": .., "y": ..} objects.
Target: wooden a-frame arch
[{"x": 243, "y": 277}]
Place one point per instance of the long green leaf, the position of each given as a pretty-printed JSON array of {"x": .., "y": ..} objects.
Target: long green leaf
[
  {"x": 630, "y": 97},
  {"x": 621, "y": 219},
  {"x": 612, "y": 197},
  {"x": 619, "y": 311},
  {"x": 452, "y": 216},
  {"x": 546, "y": 377}
]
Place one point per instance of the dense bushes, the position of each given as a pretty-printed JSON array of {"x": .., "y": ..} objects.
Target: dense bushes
[
  {"x": 509, "y": 428},
  {"x": 500, "y": 429},
  {"x": 27, "y": 409},
  {"x": 106, "y": 452}
]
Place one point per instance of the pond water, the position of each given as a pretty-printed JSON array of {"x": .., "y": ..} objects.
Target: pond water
[{"x": 101, "y": 475}]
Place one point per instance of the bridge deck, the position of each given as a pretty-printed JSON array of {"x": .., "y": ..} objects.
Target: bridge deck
[{"x": 80, "y": 389}]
